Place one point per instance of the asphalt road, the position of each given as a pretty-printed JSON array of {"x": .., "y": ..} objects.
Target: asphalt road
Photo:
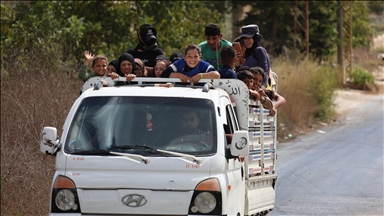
[{"x": 339, "y": 172}]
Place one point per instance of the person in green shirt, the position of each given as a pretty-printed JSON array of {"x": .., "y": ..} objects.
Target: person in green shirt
[
  {"x": 99, "y": 66},
  {"x": 210, "y": 48}
]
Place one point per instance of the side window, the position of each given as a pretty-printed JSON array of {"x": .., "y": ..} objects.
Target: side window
[
  {"x": 228, "y": 128},
  {"x": 231, "y": 125},
  {"x": 231, "y": 113},
  {"x": 229, "y": 119}
]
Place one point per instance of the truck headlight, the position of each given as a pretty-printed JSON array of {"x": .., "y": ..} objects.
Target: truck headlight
[
  {"x": 64, "y": 196},
  {"x": 65, "y": 200},
  {"x": 206, "y": 198},
  {"x": 205, "y": 202}
]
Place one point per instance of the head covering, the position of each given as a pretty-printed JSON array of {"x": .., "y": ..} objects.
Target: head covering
[
  {"x": 141, "y": 65},
  {"x": 147, "y": 36},
  {"x": 161, "y": 57},
  {"x": 113, "y": 63},
  {"x": 175, "y": 56},
  {"x": 249, "y": 31},
  {"x": 125, "y": 56}
]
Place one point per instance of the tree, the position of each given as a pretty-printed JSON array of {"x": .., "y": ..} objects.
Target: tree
[
  {"x": 67, "y": 28},
  {"x": 178, "y": 23},
  {"x": 361, "y": 29},
  {"x": 276, "y": 21},
  {"x": 376, "y": 7}
]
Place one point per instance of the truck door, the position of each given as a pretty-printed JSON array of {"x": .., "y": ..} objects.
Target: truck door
[{"x": 235, "y": 169}]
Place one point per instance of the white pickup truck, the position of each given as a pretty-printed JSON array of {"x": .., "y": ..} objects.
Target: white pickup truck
[{"x": 164, "y": 149}]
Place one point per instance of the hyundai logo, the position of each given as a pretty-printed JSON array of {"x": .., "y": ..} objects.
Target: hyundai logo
[{"x": 134, "y": 200}]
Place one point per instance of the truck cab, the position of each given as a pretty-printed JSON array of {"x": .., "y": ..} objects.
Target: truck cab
[{"x": 160, "y": 147}]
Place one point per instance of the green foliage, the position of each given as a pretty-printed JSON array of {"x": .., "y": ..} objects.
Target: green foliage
[
  {"x": 67, "y": 28},
  {"x": 376, "y": 7},
  {"x": 361, "y": 29},
  {"x": 323, "y": 84},
  {"x": 36, "y": 28},
  {"x": 277, "y": 26},
  {"x": 361, "y": 77},
  {"x": 276, "y": 22},
  {"x": 179, "y": 23}
]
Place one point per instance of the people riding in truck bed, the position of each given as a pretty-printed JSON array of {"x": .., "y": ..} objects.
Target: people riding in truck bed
[
  {"x": 247, "y": 77},
  {"x": 258, "y": 76},
  {"x": 255, "y": 55},
  {"x": 210, "y": 48},
  {"x": 191, "y": 68},
  {"x": 147, "y": 49},
  {"x": 227, "y": 58},
  {"x": 98, "y": 65}
]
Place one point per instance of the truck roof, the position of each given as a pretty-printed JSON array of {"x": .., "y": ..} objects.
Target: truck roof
[
  {"x": 212, "y": 89},
  {"x": 136, "y": 90}
]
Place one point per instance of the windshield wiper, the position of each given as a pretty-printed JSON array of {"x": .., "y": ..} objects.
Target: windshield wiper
[
  {"x": 105, "y": 152},
  {"x": 133, "y": 156},
  {"x": 187, "y": 156}
]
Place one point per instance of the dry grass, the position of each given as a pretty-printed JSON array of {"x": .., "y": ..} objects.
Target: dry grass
[
  {"x": 30, "y": 99},
  {"x": 301, "y": 85}
]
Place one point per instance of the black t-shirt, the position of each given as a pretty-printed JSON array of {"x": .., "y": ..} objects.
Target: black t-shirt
[{"x": 148, "y": 57}]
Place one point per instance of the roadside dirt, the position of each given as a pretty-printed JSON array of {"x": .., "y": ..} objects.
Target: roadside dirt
[{"x": 348, "y": 99}]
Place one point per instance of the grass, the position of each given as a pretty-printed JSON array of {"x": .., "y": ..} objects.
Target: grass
[
  {"x": 308, "y": 89},
  {"x": 32, "y": 96}
]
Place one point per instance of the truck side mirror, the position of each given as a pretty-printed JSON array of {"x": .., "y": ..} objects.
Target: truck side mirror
[
  {"x": 239, "y": 144},
  {"x": 49, "y": 143}
]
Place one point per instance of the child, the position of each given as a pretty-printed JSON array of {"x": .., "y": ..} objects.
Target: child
[
  {"x": 258, "y": 74},
  {"x": 227, "y": 58},
  {"x": 191, "y": 68},
  {"x": 140, "y": 70},
  {"x": 112, "y": 67},
  {"x": 247, "y": 77},
  {"x": 99, "y": 66},
  {"x": 160, "y": 66}
]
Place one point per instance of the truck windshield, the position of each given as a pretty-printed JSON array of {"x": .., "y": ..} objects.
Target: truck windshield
[{"x": 140, "y": 125}]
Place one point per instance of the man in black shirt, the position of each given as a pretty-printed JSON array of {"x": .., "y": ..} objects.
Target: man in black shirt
[{"x": 147, "y": 49}]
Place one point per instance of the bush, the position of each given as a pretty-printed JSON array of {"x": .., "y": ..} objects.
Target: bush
[
  {"x": 323, "y": 85},
  {"x": 361, "y": 77}
]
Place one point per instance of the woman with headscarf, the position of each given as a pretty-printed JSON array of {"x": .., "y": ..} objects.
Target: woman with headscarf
[
  {"x": 255, "y": 54},
  {"x": 125, "y": 68},
  {"x": 147, "y": 49}
]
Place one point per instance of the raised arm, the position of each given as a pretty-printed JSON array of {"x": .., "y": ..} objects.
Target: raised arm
[{"x": 83, "y": 74}]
